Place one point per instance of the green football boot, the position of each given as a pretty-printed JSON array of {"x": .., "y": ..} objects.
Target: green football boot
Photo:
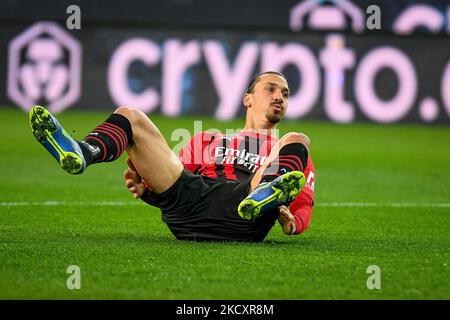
[
  {"x": 49, "y": 132},
  {"x": 268, "y": 196}
]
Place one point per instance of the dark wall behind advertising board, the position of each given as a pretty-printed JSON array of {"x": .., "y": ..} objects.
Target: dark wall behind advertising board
[
  {"x": 342, "y": 75},
  {"x": 249, "y": 14}
]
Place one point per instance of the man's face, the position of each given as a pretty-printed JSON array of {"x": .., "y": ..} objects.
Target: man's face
[{"x": 269, "y": 98}]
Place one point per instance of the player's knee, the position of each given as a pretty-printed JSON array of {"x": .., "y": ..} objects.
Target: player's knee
[
  {"x": 135, "y": 116},
  {"x": 296, "y": 137},
  {"x": 128, "y": 112},
  {"x": 141, "y": 125}
]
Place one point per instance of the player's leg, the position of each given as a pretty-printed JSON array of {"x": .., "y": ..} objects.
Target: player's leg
[
  {"x": 126, "y": 129},
  {"x": 280, "y": 179},
  {"x": 155, "y": 162}
]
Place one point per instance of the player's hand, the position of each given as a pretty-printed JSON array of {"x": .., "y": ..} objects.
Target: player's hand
[
  {"x": 287, "y": 220},
  {"x": 133, "y": 180}
]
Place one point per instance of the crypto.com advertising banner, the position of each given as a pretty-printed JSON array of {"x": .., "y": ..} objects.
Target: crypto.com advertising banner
[{"x": 343, "y": 77}]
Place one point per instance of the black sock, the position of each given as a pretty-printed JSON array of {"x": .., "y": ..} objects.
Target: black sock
[
  {"x": 292, "y": 157},
  {"x": 107, "y": 141}
]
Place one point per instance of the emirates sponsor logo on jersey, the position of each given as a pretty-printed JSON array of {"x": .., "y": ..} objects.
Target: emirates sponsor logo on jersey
[{"x": 251, "y": 161}]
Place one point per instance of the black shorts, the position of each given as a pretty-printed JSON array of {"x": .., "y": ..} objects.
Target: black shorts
[{"x": 203, "y": 208}]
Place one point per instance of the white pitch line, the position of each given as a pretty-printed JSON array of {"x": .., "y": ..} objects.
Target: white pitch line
[
  {"x": 64, "y": 203},
  {"x": 320, "y": 204},
  {"x": 384, "y": 204}
]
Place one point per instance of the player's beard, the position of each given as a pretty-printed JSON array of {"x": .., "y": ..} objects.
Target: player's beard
[{"x": 274, "y": 118}]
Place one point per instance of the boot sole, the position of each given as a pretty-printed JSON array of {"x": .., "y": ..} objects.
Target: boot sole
[
  {"x": 43, "y": 127},
  {"x": 285, "y": 191}
]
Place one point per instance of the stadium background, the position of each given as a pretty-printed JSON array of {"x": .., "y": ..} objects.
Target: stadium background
[
  {"x": 184, "y": 57},
  {"x": 380, "y": 145}
]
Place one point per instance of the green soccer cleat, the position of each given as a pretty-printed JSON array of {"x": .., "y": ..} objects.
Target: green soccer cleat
[
  {"x": 269, "y": 196},
  {"x": 56, "y": 140}
]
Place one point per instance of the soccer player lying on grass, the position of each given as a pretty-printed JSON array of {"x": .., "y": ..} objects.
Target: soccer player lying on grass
[{"x": 220, "y": 187}]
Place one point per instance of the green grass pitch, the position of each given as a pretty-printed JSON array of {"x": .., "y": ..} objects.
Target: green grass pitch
[{"x": 382, "y": 198}]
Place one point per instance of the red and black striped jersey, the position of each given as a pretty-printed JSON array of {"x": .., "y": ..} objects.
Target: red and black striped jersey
[{"x": 235, "y": 157}]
